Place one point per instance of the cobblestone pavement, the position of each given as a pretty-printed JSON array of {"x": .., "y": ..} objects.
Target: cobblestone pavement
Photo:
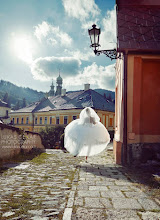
[{"x": 56, "y": 185}]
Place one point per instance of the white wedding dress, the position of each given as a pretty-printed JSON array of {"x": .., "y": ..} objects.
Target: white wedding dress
[{"x": 86, "y": 136}]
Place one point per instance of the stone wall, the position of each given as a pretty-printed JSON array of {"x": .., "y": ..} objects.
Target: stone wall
[
  {"x": 144, "y": 153},
  {"x": 13, "y": 141}
]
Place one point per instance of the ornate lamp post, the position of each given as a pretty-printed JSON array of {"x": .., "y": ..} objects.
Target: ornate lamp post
[{"x": 94, "y": 34}]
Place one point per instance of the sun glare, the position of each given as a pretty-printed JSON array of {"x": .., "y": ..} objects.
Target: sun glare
[{"x": 23, "y": 48}]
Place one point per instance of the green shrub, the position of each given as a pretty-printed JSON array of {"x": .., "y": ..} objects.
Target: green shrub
[{"x": 51, "y": 136}]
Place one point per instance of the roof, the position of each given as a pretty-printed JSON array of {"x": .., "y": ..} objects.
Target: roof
[
  {"x": 3, "y": 104},
  {"x": 138, "y": 25},
  {"x": 28, "y": 108},
  {"x": 72, "y": 100}
]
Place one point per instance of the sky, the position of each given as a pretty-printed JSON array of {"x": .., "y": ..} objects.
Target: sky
[{"x": 41, "y": 38}]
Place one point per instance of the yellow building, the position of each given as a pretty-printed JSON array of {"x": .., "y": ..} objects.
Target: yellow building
[{"x": 62, "y": 109}]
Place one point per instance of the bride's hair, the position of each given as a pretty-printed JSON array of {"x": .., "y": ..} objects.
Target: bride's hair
[{"x": 88, "y": 110}]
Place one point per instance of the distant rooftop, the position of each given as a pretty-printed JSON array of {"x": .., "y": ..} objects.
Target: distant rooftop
[
  {"x": 3, "y": 104},
  {"x": 72, "y": 100}
]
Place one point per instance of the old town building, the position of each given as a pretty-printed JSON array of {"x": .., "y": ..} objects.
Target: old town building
[
  {"x": 62, "y": 108},
  {"x": 137, "y": 122}
]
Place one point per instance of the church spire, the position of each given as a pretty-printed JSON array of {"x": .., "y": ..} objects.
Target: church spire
[
  {"x": 51, "y": 92},
  {"x": 59, "y": 82}
]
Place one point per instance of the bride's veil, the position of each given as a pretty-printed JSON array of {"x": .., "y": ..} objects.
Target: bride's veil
[{"x": 91, "y": 113}]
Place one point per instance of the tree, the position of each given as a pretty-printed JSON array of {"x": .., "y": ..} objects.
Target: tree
[
  {"x": 24, "y": 104},
  {"x": 7, "y": 99},
  {"x": 51, "y": 135},
  {"x": 17, "y": 105}
]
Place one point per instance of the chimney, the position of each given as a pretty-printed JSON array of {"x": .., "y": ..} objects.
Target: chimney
[
  {"x": 63, "y": 92},
  {"x": 86, "y": 87}
]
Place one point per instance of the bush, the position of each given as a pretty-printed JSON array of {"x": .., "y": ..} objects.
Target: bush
[{"x": 51, "y": 136}]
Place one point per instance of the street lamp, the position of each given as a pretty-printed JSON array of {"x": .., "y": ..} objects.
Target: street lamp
[{"x": 94, "y": 34}]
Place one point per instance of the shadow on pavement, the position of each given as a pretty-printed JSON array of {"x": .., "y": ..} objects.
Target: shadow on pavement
[
  {"x": 18, "y": 159},
  {"x": 146, "y": 176}
]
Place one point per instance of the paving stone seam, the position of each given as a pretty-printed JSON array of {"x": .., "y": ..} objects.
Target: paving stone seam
[{"x": 71, "y": 198}]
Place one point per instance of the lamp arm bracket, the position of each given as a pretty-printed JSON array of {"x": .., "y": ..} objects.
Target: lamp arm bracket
[{"x": 112, "y": 54}]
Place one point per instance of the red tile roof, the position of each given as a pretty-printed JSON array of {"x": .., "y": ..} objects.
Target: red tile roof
[{"x": 138, "y": 26}]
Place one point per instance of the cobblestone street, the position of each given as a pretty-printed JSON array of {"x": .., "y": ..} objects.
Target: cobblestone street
[{"x": 56, "y": 185}]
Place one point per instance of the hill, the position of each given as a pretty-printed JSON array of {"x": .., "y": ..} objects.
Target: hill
[{"x": 16, "y": 93}]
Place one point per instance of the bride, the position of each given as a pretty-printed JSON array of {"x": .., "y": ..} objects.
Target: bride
[{"x": 86, "y": 136}]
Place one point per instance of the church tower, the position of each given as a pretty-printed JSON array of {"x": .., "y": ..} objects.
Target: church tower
[
  {"x": 51, "y": 92},
  {"x": 59, "y": 85}
]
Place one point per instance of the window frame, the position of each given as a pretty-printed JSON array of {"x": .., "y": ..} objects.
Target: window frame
[
  {"x": 40, "y": 120},
  {"x": 57, "y": 118},
  {"x": 27, "y": 120},
  {"x": 64, "y": 120},
  {"x": 45, "y": 120},
  {"x": 50, "y": 120},
  {"x": 74, "y": 116}
]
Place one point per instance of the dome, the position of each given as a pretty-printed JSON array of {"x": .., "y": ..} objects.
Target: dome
[{"x": 59, "y": 79}]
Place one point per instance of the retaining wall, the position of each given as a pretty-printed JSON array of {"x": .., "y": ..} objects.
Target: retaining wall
[{"x": 13, "y": 141}]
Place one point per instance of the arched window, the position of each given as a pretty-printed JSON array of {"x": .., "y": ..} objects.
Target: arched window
[{"x": 45, "y": 120}]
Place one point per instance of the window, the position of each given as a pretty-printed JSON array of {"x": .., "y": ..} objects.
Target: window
[
  {"x": 7, "y": 113},
  {"x": 40, "y": 120},
  {"x": 22, "y": 120},
  {"x": 57, "y": 120},
  {"x": 65, "y": 120},
  {"x": 13, "y": 121},
  {"x": 74, "y": 117},
  {"x": 45, "y": 120},
  {"x": 50, "y": 120},
  {"x": 27, "y": 120},
  {"x": 111, "y": 121},
  {"x": 36, "y": 120},
  {"x": 17, "y": 120},
  {"x": 106, "y": 121}
]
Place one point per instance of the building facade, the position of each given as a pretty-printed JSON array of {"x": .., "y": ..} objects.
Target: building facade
[
  {"x": 137, "y": 102},
  {"x": 62, "y": 109}
]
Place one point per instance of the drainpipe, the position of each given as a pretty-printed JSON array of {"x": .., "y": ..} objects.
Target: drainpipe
[{"x": 124, "y": 150}]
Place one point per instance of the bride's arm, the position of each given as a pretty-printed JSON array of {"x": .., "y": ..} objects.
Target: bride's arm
[{"x": 92, "y": 120}]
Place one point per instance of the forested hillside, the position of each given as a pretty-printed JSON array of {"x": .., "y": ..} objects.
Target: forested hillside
[{"x": 16, "y": 95}]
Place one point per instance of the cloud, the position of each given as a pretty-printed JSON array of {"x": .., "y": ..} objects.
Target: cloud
[
  {"x": 44, "y": 69},
  {"x": 97, "y": 76},
  {"x": 108, "y": 34},
  {"x": 81, "y": 9},
  {"x": 83, "y": 56},
  {"x": 52, "y": 34}
]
